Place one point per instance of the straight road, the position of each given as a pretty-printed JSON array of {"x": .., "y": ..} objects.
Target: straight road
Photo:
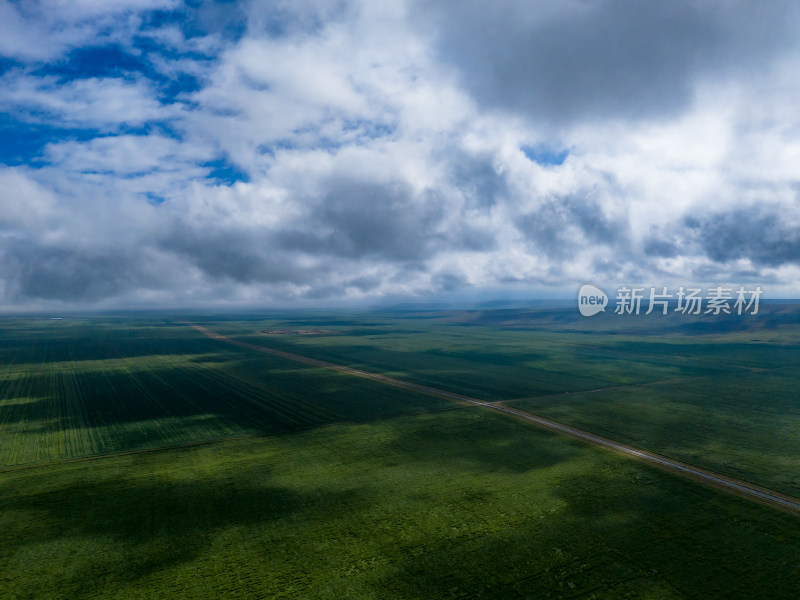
[{"x": 740, "y": 488}]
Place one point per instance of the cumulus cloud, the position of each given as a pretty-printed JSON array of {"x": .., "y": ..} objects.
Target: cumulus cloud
[
  {"x": 267, "y": 151},
  {"x": 105, "y": 104},
  {"x": 602, "y": 59},
  {"x": 766, "y": 235},
  {"x": 40, "y": 30}
]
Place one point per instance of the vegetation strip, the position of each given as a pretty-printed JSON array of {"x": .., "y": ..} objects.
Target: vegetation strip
[
  {"x": 208, "y": 442},
  {"x": 91, "y": 457},
  {"x": 737, "y": 487}
]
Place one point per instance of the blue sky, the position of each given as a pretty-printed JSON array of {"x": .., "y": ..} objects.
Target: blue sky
[{"x": 163, "y": 153}]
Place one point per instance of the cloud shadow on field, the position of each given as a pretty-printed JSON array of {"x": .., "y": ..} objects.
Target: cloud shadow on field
[
  {"x": 132, "y": 527},
  {"x": 623, "y": 529},
  {"x": 63, "y": 341},
  {"x": 479, "y": 441}
]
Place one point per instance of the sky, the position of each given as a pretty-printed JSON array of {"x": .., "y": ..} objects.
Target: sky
[{"x": 156, "y": 153}]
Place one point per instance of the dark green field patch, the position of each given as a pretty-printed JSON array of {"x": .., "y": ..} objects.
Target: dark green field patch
[
  {"x": 744, "y": 425},
  {"x": 153, "y": 386},
  {"x": 726, "y": 401},
  {"x": 490, "y": 364}
]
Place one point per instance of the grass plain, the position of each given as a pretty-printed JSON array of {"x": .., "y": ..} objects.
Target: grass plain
[
  {"x": 721, "y": 393},
  {"x": 463, "y": 503},
  {"x": 354, "y": 489},
  {"x": 83, "y": 387}
]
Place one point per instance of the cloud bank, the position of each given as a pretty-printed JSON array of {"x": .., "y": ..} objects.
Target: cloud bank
[{"x": 271, "y": 152}]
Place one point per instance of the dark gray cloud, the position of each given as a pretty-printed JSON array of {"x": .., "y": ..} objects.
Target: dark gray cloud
[
  {"x": 51, "y": 272},
  {"x": 560, "y": 227},
  {"x": 449, "y": 282},
  {"x": 365, "y": 219},
  {"x": 759, "y": 233},
  {"x": 659, "y": 244},
  {"x": 379, "y": 220},
  {"x": 240, "y": 254},
  {"x": 577, "y": 60},
  {"x": 357, "y": 219},
  {"x": 365, "y": 283},
  {"x": 477, "y": 179}
]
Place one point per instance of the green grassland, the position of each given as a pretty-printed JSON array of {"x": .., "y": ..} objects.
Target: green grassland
[
  {"x": 481, "y": 361},
  {"x": 744, "y": 425},
  {"x": 80, "y": 387},
  {"x": 718, "y": 392},
  {"x": 463, "y": 503},
  {"x": 532, "y": 353},
  {"x": 333, "y": 486}
]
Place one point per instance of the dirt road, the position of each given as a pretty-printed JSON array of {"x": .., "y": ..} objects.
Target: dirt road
[{"x": 740, "y": 488}]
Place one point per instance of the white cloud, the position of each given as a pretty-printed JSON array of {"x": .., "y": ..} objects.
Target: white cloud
[
  {"x": 24, "y": 203},
  {"x": 374, "y": 166},
  {"x": 122, "y": 155},
  {"x": 40, "y": 30},
  {"x": 103, "y": 103}
]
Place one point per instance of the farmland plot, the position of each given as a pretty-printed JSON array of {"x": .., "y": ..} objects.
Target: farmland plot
[{"x": 71, "y": 389}]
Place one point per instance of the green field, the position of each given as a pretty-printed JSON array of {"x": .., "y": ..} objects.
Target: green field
[
  {"x": 311, "y": 483},
  {"x": 744, "y": 425},
  {"x": 464, "y": 503},
  {"x": 79, "y": 387},
  {"x": 720, "y": 394},
  {"x": 482, "y": 361}
]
